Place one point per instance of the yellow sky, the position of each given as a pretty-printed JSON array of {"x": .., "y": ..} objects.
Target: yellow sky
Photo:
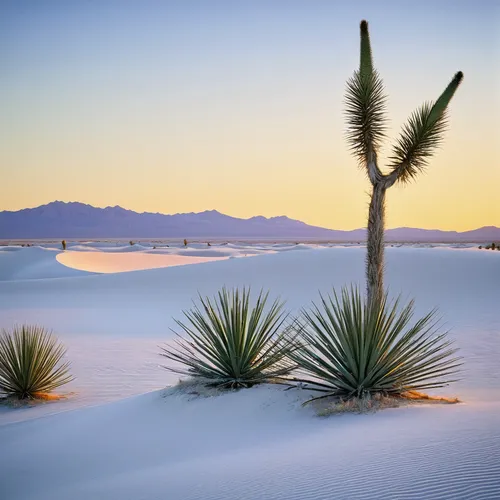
[{"x": 242, "y": 114}]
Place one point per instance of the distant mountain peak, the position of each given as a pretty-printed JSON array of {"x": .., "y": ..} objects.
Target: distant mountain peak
[{"x": 60, "y": 219}]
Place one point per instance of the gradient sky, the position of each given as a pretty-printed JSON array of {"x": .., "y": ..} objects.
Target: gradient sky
[{"x": 180, "y": 106}]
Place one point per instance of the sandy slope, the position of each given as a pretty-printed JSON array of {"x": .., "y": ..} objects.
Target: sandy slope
[
  {"x": 258, "y": 443},
  {"x": 18, "y": 263}
]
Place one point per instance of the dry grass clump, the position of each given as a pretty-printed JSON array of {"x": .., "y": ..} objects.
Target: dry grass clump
[
  {"x": 195, "y": 387},
  {"x": 38, "y": 398},
  {"x": 378, "y": 401}
]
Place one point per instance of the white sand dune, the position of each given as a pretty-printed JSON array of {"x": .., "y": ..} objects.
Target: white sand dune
[
  {"x": 111, "y": 262},
  {"x": 258, "y": 443},
  {"x": 18, "y": 263}
]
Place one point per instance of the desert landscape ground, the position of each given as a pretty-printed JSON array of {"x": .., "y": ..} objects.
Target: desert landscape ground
[
  {"x": 125, "y": 432},
  {"x": 249, "y": 252}
]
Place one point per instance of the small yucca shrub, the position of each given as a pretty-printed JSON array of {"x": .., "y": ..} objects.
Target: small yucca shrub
[
  {"x": 354, "y": 350},
  {"x": 228, "y": 343},
  {"x": 30, "y": 362}
]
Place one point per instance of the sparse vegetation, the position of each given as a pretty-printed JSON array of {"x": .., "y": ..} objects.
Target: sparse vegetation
[
  {"x": 491, "y": 246},
  {"x": 63, "y": 243},
  {"x": 353, "y": 349},
  {"x": 31, "y": 363},
  {"x": 366, "y": 130},
  {"x": 131, "y": 243},
  {"x": 232, "y": 344},
  {"x": 366, "y": 353}
]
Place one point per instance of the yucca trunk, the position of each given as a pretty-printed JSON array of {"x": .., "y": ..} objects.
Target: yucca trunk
[{"x": 375, "y": 244}]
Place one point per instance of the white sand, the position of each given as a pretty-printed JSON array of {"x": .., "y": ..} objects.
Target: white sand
[
  {"x": 254, "y": 444},
  {"x": 18, "y": 263}
]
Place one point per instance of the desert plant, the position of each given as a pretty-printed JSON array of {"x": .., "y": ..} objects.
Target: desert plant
[
  {"x": 230, "y": 344},
  {"x": 493, "y": 246},
  {"x": 355, "y": 350},
  {"x": 366, "y": 128},
  {"x": 30, "y": 362},
  {"x": 185, "y": 243},
  {"x": 63, "y": 243},
  {"x": 131, "y": 243}
]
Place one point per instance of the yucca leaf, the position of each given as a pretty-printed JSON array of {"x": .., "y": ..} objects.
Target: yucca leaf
[
  {"x": 365, "y": 108},
  {"x": 351, "y": 348},
  {"x": 231, "y": 344},
  {"x": 365, "y": 59},
  {"x": 444, "y": 99},
  {"x": 421, "y": 136},
  {"x": 30, "y": 362}
]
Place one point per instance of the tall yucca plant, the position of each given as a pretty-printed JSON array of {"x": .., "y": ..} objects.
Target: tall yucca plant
[
  {"x": 355, "y": 350},
  {"x": 366, "y": 127},
  {"x": 31, "y": 362},
  {"x": 228, "y": 343}
]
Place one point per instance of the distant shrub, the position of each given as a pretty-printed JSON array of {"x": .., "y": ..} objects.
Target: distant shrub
[
  {"x": 63, "y": 243},
  {"x": 208, "y": 244},
  {"x": 230, "y": 344},
  {"x": 493, "y": 246},
  {"x": 30, "y": 363},
  {"x": 131, "y": 243},
  {"x": 480, "y": 247},
  {"x": 185, "y": 243}
]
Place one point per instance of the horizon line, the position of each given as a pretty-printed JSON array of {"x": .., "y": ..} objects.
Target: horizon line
[{"x": 240, "y": 218}]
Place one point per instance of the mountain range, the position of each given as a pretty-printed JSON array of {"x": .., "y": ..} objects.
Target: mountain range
[{"x": 78, "y": 220}]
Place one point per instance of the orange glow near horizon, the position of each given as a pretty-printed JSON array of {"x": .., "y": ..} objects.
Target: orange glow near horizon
[{"x": 178, "y": 109}]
